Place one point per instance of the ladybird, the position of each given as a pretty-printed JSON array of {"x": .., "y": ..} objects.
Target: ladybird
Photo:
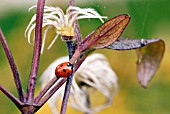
[{"x": 64, "y": 69}]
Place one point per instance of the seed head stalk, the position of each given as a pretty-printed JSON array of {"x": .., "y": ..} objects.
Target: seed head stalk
[{"x": 71, "y": 50}]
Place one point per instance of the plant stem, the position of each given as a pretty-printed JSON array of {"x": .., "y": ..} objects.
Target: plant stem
[
  {"x": 69, "y": 80},
  {"x": 13, "y": 66},
  {"x": 17, "y": 102},
  {"x": 75, "y": 56},
  {"x": 71, "y": 50},
  {"x": 77, "y": 32},
  {"x": 47, "y": 87},
  {"x": 52, "y": 91},
  {"x": 76, "y": 26},
  {"x": 30, "y": 109},
  {"x": 37, "y": 49}
]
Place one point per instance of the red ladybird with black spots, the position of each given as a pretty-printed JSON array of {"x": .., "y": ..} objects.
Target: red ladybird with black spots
[{"x": 64, "y": 69}]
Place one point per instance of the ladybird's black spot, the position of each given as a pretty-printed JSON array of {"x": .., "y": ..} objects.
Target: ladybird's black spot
[
  {"x": 64, "y": 70},
  {"x": 68, "y": 73},
  {"x": 60, "y": 76},
  {"x": 61, "y": 65}
]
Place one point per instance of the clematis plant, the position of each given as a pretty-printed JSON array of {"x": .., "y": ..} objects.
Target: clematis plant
[
  {"x": 94, "y": 75},
  {"x": 149, "y": 52}
]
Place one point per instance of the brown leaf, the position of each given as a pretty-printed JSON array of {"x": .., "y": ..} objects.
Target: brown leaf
[
  {"x": 149, "y": 58},
  {"x": 107, "y": 33}
]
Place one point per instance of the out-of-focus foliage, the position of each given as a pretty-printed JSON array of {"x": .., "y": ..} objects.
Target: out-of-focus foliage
[{"x": 149, "y": 19}]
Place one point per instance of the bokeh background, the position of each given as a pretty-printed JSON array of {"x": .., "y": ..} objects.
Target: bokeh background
[{"x": 149, "y": 19}]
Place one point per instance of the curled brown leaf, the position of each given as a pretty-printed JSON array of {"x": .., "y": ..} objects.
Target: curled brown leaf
[{"x": 149, "y": 59}]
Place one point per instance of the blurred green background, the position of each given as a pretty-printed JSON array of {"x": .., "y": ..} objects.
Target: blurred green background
[{"x": 149, "y": 19}]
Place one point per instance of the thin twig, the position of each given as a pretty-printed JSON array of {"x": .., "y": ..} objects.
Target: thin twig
[
  {"x": 37, "y": 49},
  {"x": 70, "y": 52},
  {"x": 71, "y": 3},
  {"x": 66, "y": 94},
  {"x": 52, "y": 91},
  {"x": 77, "y": 32},
  {"x": 46, "y": 88},
  {"x": 76, "y": 26},
  {"x": 69, "y": 80},
  {"x": 17, "y": 102},
  {"x": 13, "y": 66}
]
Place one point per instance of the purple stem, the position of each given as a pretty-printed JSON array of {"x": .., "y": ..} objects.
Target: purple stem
[
  {"x": 78, "y": 63},
  {"x": 17, "y": 102},
  {"x": 77, "y": 32},
  {"x": 13, "y": 66},
  {"x": 44, "y": 91},
  {"x": 66, "y": 94},
  {"x": 69, "y": 80},
  {"x": 37, "y": 49},
  {"x": 52, "y": 91},
  {"x": 76, "y": 26},
  {"x": 70, "y": 52}
]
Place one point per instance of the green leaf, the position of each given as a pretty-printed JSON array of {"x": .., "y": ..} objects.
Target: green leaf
[
  {"x": 149, "y": 58},
  {"x": 106, "y": 34}
]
